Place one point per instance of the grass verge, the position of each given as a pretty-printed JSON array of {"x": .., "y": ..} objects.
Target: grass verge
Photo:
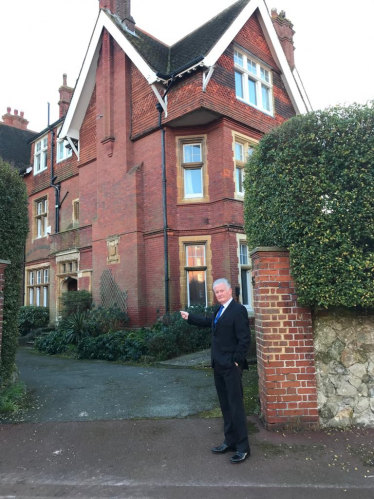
[{"x": 12, "y": 399}]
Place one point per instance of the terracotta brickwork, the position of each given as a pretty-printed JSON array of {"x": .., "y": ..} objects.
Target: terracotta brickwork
[
  {"x": 3, "y": 266},
  {"x": 118, "y": 179},
  {"x": 285, "y": 351}
]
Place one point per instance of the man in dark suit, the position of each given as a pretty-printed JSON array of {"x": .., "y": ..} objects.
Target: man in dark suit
[{"x": 230, "y": 343}]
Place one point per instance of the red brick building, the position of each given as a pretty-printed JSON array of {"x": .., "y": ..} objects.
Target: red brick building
[{"x": 97, "y": 190}]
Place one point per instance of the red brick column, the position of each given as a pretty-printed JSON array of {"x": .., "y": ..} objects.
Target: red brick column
[
  {"x": 285, "y": 351},
  {"x": 3, "y": 265}
]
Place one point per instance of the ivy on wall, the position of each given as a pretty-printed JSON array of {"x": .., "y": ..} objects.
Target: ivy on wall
[
  {"x": 13, "y": 233},
  {"x": 309, "y": 186}
]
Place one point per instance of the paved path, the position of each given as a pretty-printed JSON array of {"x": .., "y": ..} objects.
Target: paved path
[
  {"x": 171, "y": 459},
  {"x": 75, "y": 390}
]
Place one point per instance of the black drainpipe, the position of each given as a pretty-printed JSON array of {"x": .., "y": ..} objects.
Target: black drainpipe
[{"x": 53, "y": 178}]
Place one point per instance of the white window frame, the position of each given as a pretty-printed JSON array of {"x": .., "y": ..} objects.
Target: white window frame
[
  {"x": 247, "y": 268},
  {"x": 193, "y": 165},
  {"x": 67, "y": 152},
  {"x": 38, "y": 287},
  {"x": 201, "y": 268},
  {"x": 262, "y": 78},
  {"x": 247, "y": 149},
  {"x": 41, "y": 155},
  {"x": 41, "y": 217}
]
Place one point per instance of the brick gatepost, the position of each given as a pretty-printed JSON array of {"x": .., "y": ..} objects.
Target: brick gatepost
[
  {"x": 285, "y": 351},
  {"x": 3, "y": 266}
]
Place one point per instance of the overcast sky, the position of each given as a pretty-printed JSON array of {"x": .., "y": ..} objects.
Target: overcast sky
[{"x": 42, "y": 39}]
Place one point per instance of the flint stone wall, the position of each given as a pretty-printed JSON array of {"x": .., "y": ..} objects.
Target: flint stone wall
[{"x": 344, "y": 353}]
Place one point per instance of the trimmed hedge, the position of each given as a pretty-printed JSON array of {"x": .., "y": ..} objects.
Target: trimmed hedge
[
  {"x": 31, "y": 317},
  {"x": 75, "y": 302},
  {"x": 309, "y": 186},
  {"x": 13, "y": 233}
]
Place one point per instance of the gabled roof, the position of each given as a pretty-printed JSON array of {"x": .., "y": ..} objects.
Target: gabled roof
[
  {"x": 164, "y": 59},
  {"x": 157, "y": 61},
  {"x": 14, "y": 146}
]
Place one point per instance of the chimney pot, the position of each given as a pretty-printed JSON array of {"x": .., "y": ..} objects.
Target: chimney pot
[
  {"x": 274, "y": 12},
  {"x": 16, "y": 112},
  {"x": 8, "y": 110},
  {"x": 22, "y": 114},
  {"x": 65, "y": 79}
]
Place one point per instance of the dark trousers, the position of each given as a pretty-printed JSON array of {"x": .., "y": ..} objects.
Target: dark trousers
[{"x": 229, "y": 388}]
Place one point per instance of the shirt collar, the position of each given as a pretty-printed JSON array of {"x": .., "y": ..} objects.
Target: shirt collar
[{"x": 225, "y": 305}]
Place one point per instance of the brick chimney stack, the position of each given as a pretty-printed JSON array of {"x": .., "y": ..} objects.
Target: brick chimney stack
[
  {"x": 16, "y": 120},
  {"x": 123, "y": 10},
  {"x": 285, "y": 33},
  {"x": 65, "y": 96}
]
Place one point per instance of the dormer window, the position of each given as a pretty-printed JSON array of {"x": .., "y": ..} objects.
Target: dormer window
[
  {"x": 253, "y": 82},
  {"x": 64, "y": 150},
  {"x": 40, "y": 155}
]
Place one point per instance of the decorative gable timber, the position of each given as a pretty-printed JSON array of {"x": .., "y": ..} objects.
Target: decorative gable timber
[{"x": 239, "y": 13}]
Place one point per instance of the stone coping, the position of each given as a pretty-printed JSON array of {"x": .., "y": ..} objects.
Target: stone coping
[{"x": 272, "y": 249}]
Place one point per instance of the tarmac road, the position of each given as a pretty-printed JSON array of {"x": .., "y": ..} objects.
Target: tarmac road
[
  {"x": 78, "y": 390},
  {"x": 106, "y": 455}
]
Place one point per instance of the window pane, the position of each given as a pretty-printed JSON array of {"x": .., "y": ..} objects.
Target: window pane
[
  {"x": 64, "y": 268},
  {"x": 265, "y": 98},
  {"x": 239, "y": 151},
  {"x": 46, "y": 275},
  {"x": 38, "y": 277},
  {"x": 45, "y": 296},
  {"x": 239, "y": 180},
  {"x": 244, "y": 279},
  {"x": 39, "y": 230},
  {"x": 243, "y": 254},
  {"x": 192, "y": 153},
  {"x": 252, "y": 66},
  {"x": 37, "y": 163},
  {"x": 38, "y": 297},
  {"x": 44, "y": 160},
  {"x": 38, "y": 146},
  {"x": 252, "y": 92},
  {"x": 45, "y": 206},
  {"x": 60, "y": 151},
  {"x": 45, "y": 142},
  {"x": 31, "y": 296},
  {"x": 265, "y": 74},
  {"x": 196, "y": 288},
  {"x": 239, "y": 84},
  {"x": 193, "y": 184},
  {"x": 238, "y": 58},
  {"x": 196, "y": 256},
  {"x": 31, "y": 278}
]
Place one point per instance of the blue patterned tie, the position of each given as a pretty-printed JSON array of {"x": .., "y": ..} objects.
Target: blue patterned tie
[{"x": 218, "y": 314}]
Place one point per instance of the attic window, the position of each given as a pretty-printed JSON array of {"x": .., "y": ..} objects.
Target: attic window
[
  {"x": 64, "y": 150},
  {"x": 253, "y": 82},
  {"x": 40, "y": 155}
]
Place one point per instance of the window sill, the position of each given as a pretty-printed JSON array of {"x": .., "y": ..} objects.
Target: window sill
[
  {"x": 40, "y": 171},
  {"x": 268, "y": 113}
]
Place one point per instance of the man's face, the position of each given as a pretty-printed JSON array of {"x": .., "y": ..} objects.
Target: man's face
[{"x": 223, "y": 293}]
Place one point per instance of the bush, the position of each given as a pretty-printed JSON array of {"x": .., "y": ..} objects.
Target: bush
[
  {"x": 75, "y": 327},
  {"x": 31, "y": 317},
  {"x": 102, "y": 320},
  {"x": 53, "y": 343},
  {"x": 74, "y": 302},
  {"x": 309, "y": 186},
  {"x": 13, "y": 233},
  {"x": 119, "y": 345}
]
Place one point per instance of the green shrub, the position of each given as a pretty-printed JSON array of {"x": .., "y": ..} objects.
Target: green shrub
[
  {"x": 13, "y": 233},
  {"x": 12, "y": 398},
  {"x": 75, "y": 327},
  {"x": 101, "y": 320},
  {"x": 74, "y": 302},
  {"x": 162, "y": 345},
  {"x": 53, "y": 344},
  {"x": 31, "y": 317},
  {"x": 309, "y": 186}
]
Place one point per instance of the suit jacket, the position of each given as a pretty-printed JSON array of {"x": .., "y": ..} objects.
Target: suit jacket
[{"x": 230, "y": 336}]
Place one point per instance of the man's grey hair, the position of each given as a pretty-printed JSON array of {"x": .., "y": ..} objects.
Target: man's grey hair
[{"x": 221, "y": 281}]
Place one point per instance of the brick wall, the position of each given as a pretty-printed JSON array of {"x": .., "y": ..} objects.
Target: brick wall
[
  {"x": 285, "y": 351},
  {"x": 3, "y": 266}
]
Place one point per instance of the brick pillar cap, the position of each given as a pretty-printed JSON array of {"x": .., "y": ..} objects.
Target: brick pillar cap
[
  {"x": 261, "y": 249},
  {"x": 6, "y": 262}
]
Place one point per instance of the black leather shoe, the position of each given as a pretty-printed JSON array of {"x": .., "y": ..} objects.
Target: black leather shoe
[
  {"x": 221, "y": 449},
  {"x": 239, "y": 457}
]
